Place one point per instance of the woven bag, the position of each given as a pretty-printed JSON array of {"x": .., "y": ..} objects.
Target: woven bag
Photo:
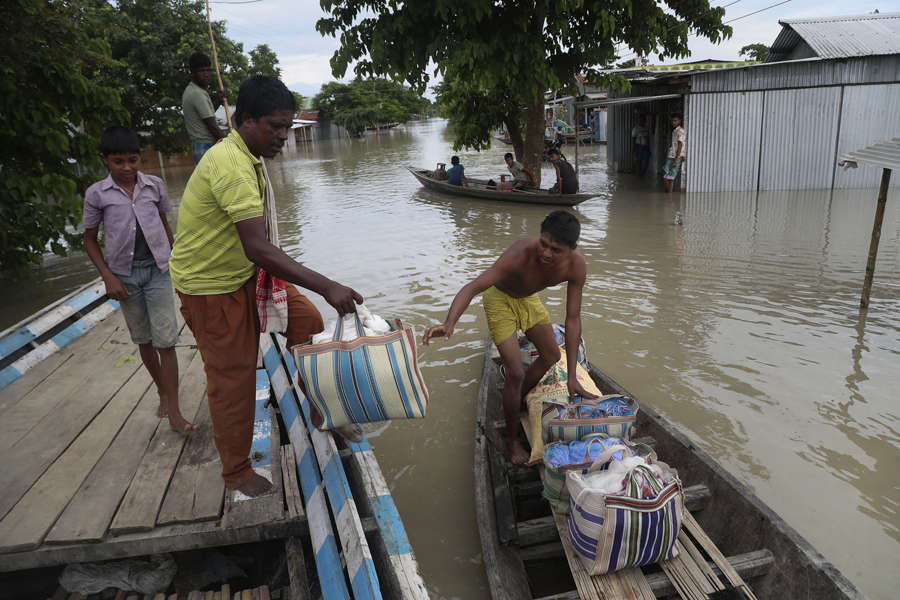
[
  {"x": 371, "y": 378},
  {"x": 636, "y": 527}
]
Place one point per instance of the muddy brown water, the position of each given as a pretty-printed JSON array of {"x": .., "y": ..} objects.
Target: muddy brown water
[{"x": 741, "y": 325}]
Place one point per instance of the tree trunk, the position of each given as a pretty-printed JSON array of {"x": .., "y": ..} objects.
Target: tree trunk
[
  {"x": 515, "y": 135},
  {"x": 534, "y": 137}
]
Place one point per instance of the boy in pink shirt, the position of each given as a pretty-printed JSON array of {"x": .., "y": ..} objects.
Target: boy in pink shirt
[{"x": 132, "y": 207}]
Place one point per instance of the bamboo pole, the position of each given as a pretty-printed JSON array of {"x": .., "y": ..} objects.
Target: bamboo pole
[
  {"x": 216, "y": 63},
  {"x": 876, "y": 237}
]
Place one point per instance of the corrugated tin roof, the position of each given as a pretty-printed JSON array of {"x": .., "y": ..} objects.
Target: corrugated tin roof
[
  {"x": 885, "y": 155},
  {"x": 840, "y": 37}
]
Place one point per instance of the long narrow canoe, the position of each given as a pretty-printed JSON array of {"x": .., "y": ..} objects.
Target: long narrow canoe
[
  {"x": 478, "y": 188},
  {"x": 524, "y": 556}
]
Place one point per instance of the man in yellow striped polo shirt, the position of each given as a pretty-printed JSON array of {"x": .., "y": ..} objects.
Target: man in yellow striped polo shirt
[{"x": 221, "y": 239}]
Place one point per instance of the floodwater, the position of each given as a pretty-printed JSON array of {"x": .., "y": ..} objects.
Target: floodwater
[{"x": 741, "y": 325}]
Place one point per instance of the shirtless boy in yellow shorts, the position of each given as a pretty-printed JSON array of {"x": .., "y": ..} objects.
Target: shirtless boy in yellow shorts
[{"x": 510, "y": 300}]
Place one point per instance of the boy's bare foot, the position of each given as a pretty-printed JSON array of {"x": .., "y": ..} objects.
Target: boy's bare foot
[
  {"x": 256, "y": 486},
  {"x": 351, "y": 431},
  {"x": 516, "y": 453},
  {"x": 180, "y": 425}
]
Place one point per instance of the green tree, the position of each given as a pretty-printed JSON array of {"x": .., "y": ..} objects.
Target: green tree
[
  {"x": 264, "y": 61},
  {"x": 300, "y": 99},
  {"x": 363, "y": 103},
  {"x": 53, "y": 107},
  {"x": 755, "y": 52},
  {"x": 509, "y": 47},
  {"x": 151, "y": 41}
]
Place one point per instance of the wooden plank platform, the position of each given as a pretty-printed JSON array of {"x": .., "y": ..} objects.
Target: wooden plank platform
[{"x": 91, "y": 473}]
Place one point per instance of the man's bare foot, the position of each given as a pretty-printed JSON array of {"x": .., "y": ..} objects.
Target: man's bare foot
[
  {"x": 180, "y": 425},
  {"x": 351, "y": 431},
  {"x": 516, "y": 453},
  {"x": 256, "y": 486}
]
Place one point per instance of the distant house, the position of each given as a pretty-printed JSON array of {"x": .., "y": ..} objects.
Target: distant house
[{"x": 829, "y": 85}]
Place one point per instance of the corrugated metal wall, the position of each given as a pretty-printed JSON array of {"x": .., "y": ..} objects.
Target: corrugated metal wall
[
  {"x": 870, "y": 114},
  {"x": 619, "y": 121},
  {"x": 812, "y": 73},
  {"x": 799, "y": 137},
  {"x": 790, "y": 138},
  {"x": 723, "y": 132}
]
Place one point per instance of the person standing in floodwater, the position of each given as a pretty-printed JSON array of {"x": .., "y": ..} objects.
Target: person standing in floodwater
[{"x": 676, "y": 154}]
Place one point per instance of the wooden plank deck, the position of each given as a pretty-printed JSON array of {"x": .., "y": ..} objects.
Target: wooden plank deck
[{"x": 91, "y": 473}]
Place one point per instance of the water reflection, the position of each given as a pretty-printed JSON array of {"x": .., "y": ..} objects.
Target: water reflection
[{"x": 741, "y": 325}]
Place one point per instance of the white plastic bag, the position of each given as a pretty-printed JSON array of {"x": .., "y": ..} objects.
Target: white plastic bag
[
  {"x": 372, "y": 325},
  {"x": 149, "y": 575}
]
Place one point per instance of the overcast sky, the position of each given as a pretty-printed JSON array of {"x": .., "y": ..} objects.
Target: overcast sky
[{"x": 288, "y": 27}]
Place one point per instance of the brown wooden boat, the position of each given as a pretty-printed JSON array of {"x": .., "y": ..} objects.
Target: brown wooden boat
[
  {"x": 527, "y": 555},
  {"x": 478, "y": 188}
]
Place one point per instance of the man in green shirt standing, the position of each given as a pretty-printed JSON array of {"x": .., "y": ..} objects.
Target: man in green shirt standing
[
  {"x": 199, "y": 110},
  {"x": 221, "y": 240}
]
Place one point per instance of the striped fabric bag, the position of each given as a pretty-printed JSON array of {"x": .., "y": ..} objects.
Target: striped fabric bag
[
  {"x": 612, "y": 415},
  {"x": 628, "y": 529},
  {"x": 371, "y": 378}
]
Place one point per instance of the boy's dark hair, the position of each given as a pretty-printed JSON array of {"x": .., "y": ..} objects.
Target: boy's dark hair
[
  {"x": 677, "y": 116},
  {"x": 198, "y": 60},
  {"x": 119, "y": 140},
  {"x": 507, "y": 155},
  {"x": 454, "y": 160},
  {"x": 261, "y": 95},
  {"x": 562, "y": 227},
  {"x": 553, "y": 151}
]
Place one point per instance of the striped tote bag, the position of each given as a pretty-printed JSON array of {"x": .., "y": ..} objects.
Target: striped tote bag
[
  {"x": 612, "y": 415},
  {"x": 371, "y": 378},
  {"x": 634, "y": 528}
]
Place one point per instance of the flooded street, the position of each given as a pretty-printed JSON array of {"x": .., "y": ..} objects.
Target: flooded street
[{"x": 741, "y": 325}]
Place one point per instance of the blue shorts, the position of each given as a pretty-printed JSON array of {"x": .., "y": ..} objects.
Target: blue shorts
[
  {"x": 672, "y": 167},
  {"x": 198, "y": 149},
  {"x": 641, "y": 152},
  {"x": 150, "y": 309}
]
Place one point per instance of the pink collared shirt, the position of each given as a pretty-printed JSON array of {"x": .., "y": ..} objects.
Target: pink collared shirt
[{"x": 105, "y": 202}]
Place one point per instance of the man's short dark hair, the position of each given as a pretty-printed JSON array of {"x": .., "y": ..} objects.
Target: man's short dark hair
[
  {"x": 507, "y": 155},
  {"x": 261, "y": 95},
  {"x": 562, "y": 227},
  {"x": 118, "y": 139},
  {"x": 198, "y": 60},
  {"x": 676, "y": 116},
  {"x": 553, "y": 151},
  {"x": 454, "y": 160}
]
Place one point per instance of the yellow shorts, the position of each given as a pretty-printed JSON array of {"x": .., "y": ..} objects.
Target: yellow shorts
[{"x": 506, "y": 314}]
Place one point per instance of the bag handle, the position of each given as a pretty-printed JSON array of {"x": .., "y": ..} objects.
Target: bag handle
[
  {"x": 339, "y": 327},
  {"x": 587, "y": 450},
  {"x": 606, "y": 455}
]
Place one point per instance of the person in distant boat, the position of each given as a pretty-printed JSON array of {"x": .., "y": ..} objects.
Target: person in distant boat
[
  {"x": 522, "y": 177},
  {"x": 440, "y": 173},
  {"x": 132, "y": 208},
  {"x": 509, "y": 294},
  {"x": 456, "y": 174},
  {"x": 566, "y": 180},
  {"x": 199, "y": 109},
  {"x": 221, "y": 242}
]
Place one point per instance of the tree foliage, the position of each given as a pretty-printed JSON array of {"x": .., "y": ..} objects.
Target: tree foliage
[
  {"x": 366, "y": 102},
  {"x": 755, "y": 52},
  {"x": 53, "y": 107},
  {"x": 264, "y": 61},
  {"x": 514, "y": 48}
]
